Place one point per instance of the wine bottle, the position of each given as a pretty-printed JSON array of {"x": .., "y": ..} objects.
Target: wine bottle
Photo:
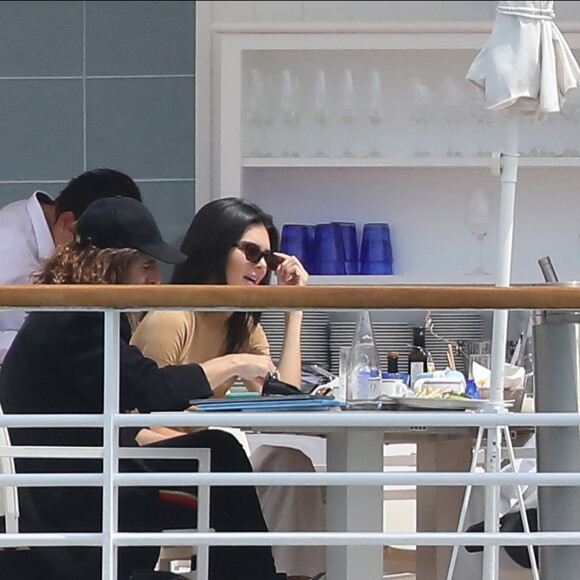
[
  {"x": 393, "y": 362},
  {"x": 418, "y": 356}
]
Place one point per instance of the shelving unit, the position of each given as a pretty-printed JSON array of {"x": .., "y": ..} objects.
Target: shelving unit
[
  {"x": 402, "y": 162},
  {"x": 421, "y": 181}
]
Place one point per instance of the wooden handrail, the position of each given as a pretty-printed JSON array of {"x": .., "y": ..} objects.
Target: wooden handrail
[{"x": 273, "y": 297}]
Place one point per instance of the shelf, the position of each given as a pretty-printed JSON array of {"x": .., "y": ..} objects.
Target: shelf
[{"x": 402, "y": 162}]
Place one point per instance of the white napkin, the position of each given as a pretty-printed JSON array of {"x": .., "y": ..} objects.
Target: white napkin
[{"x": 513, "y": 376}]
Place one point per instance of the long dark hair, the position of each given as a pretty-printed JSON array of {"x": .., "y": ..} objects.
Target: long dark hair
[{"x": 214, "y": 231}]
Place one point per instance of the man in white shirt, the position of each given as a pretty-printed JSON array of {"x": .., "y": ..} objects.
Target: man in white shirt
[{"x": 30, "y": 229}]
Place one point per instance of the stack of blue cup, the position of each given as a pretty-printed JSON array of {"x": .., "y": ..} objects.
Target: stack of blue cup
[
  {"x": 332, "y": 248},
  {"x": 329, "y": 253},
  {"x": 348, "y": 233},
  {"x": 298, "y": 240},
  {"x": 376, "y": 254}
]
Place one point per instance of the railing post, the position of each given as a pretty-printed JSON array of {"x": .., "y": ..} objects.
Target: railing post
[{"x": 110, "y": 443}]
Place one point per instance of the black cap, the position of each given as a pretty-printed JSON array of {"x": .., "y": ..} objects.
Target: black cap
[{"x": 123, "y": 222}]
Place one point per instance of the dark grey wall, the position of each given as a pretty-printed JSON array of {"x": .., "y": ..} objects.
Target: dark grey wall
[{"x": 99, "y": 84}]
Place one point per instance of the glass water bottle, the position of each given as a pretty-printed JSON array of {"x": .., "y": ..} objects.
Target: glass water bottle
[{"x": 363, "y": 368}]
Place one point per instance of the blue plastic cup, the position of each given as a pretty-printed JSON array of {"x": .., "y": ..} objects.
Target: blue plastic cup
[
  {"x": 376, "y": 254},
  {"x": 297, "y": 240},
  {"x": 329, "y": 251},
  {"x": 348, "y": 232}
]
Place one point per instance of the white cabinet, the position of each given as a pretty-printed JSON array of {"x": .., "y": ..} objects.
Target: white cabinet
[{"x": 415, "y": 166}]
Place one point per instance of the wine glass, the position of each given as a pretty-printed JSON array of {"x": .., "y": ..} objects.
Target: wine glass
[
  {"x": 375, "y": 112},
  {"x": 321, "y": 113},
  {"x": 422, "y": 100},
  {"x": 257, "y": 115},
  {"x": 289, "y": 97},
  {"x": 347, "y": 112},
  {"x": 452, "y": 110},
  {"x": 477, "y": 219}
]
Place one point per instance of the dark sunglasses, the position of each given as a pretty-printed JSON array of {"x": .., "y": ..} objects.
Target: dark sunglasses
[{"x": 254, "y": 254}]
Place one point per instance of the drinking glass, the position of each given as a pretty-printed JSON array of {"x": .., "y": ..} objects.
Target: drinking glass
[
  {"x": 452, "y": 109},
  {"x": 321, "y": 113},
  {"x": 376, "y": 254},
  {"x": 477, "y": 218},
  {"x": 257, "y": 115},
  {"x": 329, "y": 254},
  {"x": 347, "y": 113},
  {"x": 344, "y": 351},
  {"x": 297, "y": 240},
  {"x": 375, "y": 112},
  {"x": 289, "y": 98},
  {"x": 421, "y": 101},
  {"x": 348, "y": 232}
]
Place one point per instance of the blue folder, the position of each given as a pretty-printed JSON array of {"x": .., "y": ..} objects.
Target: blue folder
[{"x": 268, "y": 404}]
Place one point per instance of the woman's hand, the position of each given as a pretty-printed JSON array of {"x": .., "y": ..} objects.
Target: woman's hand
[
  {"x": 253, "y": 367},
  {"x": 291, "y": 272}
]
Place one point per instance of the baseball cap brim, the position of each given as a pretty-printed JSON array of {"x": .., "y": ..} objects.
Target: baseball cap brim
[{"x": 163, "y": 252}]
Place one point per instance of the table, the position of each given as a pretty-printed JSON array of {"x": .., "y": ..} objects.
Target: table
[
  {"x": 360, "y": 508},
  {"x": 355, "y": 442},
  {"x": 355, "y": 509}
]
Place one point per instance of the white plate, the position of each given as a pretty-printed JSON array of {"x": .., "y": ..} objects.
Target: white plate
[{"x": 439, "y": 404}]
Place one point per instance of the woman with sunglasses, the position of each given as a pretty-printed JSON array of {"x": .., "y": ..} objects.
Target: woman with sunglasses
[{"x": 231, "y": 241}]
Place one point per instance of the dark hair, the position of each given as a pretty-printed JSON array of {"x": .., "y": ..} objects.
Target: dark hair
[
  {"x": 214, "y": 231},
  {"x": 92, "y": 185}
]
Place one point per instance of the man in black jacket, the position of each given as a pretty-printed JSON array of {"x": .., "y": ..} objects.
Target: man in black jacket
[{"x": 55, "y": 366}]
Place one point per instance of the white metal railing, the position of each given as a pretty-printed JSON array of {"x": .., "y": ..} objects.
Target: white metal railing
[{"x": 328, "y": 422}]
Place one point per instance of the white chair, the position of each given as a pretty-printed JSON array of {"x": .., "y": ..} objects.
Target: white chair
[
  {"x": 8, "y": 495},
  {"x": 9, "y": 508}
]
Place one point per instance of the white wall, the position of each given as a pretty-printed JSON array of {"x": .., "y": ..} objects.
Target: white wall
[
  {"x": 548, "y": 202},
  {"x": 373, "y": 11}
]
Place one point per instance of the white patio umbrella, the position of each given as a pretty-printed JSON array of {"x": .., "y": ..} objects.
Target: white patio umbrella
[{"x": 526, "y": 68}]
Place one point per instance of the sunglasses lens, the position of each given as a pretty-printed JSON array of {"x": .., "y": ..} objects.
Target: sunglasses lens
[
  {"x": 252, "y": 252},
  {"x": 272, "y": 261}
]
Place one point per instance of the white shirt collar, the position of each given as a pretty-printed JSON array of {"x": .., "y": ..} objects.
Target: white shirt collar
[{"x": 40, "y": 226}]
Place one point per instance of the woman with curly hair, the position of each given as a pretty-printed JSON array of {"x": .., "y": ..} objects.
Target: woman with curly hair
[{"x": 55, "y": 366}]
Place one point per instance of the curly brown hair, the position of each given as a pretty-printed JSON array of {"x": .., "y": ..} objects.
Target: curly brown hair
[{"x": 75, "y": 263}]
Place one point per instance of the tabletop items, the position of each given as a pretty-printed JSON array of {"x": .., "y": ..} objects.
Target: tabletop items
[{"x": 326, "y": 339}]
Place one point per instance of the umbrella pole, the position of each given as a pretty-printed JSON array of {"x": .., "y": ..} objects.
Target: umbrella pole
[{"x": 508, "y": 170}]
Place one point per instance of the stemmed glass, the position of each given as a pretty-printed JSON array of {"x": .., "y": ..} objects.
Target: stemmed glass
[
  {"x": 321, "y": 113},
  {"x": 347, "y": 112},
  {"x": 258, "y": 116},
  {"x": 477, "y": 219},
  {"x": 452, "y": 107},
  {"x": 289, "y": 113},
  {"x": 570, "y": 114},
  {"x": 375, "y": 112},
  {"x": 421, "y": 101}
]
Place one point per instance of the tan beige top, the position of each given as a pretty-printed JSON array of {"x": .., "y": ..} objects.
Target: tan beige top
[{"x": 182, "y": 337}]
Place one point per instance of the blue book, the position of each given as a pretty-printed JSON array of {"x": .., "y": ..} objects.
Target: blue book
[{"x": 270, "y": 403}]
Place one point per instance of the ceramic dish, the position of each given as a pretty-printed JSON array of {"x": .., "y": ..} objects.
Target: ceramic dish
[{"x": 435, "y": 404}]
